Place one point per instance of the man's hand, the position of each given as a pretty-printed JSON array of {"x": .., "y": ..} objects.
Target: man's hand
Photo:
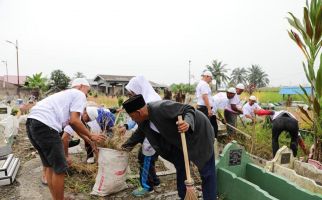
[
  {"x": 98, "y": 138},
  {"x": 209, "y": 112},
  {"x": 122, "y": 130},
  {"x": 183, "y": 126}
]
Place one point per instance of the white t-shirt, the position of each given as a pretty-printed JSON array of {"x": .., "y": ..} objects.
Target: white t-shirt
[
  {"x": 68, "y": 129},
  {"x": 249, "y": 109},
  {"x": 220, "y": 101},
  {"x": 235, "y": 100},
  {"x": 239, "y": 104},
  {"x": 54, "y": 111},
  {"x": 95, "y": 127},
  {"x": 203, "y": 88},
  {"x": 279, "y": 113},
  {"x": 147, "y": 149}
]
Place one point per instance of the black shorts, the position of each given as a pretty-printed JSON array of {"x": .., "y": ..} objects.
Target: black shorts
[{"x": 48, "y": 143}]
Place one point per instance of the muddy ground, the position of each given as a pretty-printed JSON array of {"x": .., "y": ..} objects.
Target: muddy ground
[{"x": 77, "y": 184}]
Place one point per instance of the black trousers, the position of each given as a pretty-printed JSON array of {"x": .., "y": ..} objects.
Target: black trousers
[
  {"x": 212, "y": 119},
  {"x": 231, "y": 118},
  {"x": 288, "y": 124}
]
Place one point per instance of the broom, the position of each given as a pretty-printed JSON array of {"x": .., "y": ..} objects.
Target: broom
[{"x": 190, "y": 193}]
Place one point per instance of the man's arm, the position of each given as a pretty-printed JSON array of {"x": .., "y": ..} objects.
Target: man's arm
[
  {"x": 207, "y": 104},
  {"x": 171, "y": 110},
  {"x": 234, "y": 108},
  {"x": 65, "y": 139},
  {"x": 80, "y": 128},
  {"x": 137, "y": 137}
]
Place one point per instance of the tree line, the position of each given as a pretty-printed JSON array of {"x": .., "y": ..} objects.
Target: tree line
[{"x": 252, "y": 77}]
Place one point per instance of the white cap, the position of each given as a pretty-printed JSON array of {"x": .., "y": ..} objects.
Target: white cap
[
  {"x": 80, "y": 81},
  {"x": 207, "y": 73},
  {"x": 231, "y": 90},
  {"x": 92, "y": 112},
  {"x": 253, "y": 98},
  {"x": 240, "y": 86}
]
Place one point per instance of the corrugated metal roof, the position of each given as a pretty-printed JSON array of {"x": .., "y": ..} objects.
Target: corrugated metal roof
[
  {"x": 294, "y": 90},
  {"x": 117, "y": 78},
  {"x": 113, "y": 77}
]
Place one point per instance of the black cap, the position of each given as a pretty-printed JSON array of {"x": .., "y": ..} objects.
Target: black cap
[{"x": 134, "y": 103}]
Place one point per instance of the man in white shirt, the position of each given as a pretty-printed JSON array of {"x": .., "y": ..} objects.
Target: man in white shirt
[
  {"x": 47, "y": 119},
  {"x": 239, "y": 90},
  {"x": 231, "y": 110},
  {"x": 204, "y": 99},
  {"x": 249, "y": 109}
]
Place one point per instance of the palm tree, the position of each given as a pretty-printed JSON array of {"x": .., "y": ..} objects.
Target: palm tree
[
  {"x": 36, "y": 83},
  {"x": 238, "y": 75},
  {"x": 257, "y": 77},
  {"x": 217, "y": 68}
]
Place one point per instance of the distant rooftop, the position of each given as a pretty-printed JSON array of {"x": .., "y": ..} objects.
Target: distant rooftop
[{"x": 14, "y": 79}]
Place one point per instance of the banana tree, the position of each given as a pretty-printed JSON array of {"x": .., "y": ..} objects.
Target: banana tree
[{"x": 307, "y": 36}]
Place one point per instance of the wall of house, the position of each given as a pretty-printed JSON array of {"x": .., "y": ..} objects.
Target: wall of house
[{"x": 11, "y": 90}]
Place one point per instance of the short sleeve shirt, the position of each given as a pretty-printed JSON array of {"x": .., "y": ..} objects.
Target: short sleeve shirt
[
  {"x": 234, "y": 100},
  {"x": 249, "y": 109},
  {"x": 201, "y": 89},
  {"x": 54, "y": 111},
  {"x": 68, "y": 129}
]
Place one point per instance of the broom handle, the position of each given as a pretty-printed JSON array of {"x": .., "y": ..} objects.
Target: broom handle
[
  {"x": 236, "y": 129},
  {"x": 185, "y": 153},
  {"x": 117, "y": 116}
]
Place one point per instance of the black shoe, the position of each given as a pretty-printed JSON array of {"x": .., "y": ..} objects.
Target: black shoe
[{"x": 73, "y": 143}]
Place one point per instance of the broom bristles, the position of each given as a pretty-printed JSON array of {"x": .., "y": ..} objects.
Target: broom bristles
[{"x": 190, "y": 193}]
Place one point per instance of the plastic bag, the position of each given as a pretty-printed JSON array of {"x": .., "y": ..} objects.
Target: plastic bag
[{"x": 111, "y": 175}]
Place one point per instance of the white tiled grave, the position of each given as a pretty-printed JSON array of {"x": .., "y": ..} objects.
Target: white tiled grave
[{"x": 9, "y": 166}]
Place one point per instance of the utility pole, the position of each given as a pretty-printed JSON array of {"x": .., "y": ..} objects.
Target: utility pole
[
  {"x": 189, "y": 71},
  {"x": 16, "y": 46},
  {"x": 6, "y": 63}
]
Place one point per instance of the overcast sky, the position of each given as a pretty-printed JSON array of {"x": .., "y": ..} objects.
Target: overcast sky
[{"x": 151, "y": 38}]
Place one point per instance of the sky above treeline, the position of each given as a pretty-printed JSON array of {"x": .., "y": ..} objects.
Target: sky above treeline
[{"x": 151, "y": 38}]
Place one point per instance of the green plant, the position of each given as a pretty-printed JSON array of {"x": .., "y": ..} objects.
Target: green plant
[
  {"x": 219, "y": 72},
  {"x": 36, "y": 81},
  {"x": 308, "y": 38},
  {"x": 14, "y": 111},
  {"x": 120, "y": 101},
  {"x": 59, "y": 80}
]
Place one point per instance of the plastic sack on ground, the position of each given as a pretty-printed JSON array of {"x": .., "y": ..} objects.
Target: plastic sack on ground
[{"x": 111, "y": 175}]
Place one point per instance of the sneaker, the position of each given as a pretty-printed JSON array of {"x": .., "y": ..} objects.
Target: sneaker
[
  {"x": 141, "y": 192},
  {"x": 90, "y": 160}
]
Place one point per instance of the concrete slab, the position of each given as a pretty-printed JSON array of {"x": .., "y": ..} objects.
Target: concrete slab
[{"x": 30, "y": 184}]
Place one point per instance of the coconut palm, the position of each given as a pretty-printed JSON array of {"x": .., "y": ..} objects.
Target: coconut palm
[
  {"x": 218, "y": 70},
  {"x": 36, "y": 83},
  {"x": 238, "y": 75},
  {"x": 257, "y": 77},
  {"x": 307, "y": 36}
]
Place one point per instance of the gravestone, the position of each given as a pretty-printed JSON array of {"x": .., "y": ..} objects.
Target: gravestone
[{"x": 283, "y": 157}]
